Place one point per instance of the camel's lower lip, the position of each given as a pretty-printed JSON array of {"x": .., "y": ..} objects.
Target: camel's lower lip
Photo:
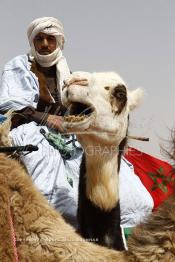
[
  {"x": 79, "y": 112},
  {"x": 81, "y": 123},
  {"x": 76, "y": 119}
]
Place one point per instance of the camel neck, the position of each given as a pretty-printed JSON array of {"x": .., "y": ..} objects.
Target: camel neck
[{"x": 102, "y": 179}]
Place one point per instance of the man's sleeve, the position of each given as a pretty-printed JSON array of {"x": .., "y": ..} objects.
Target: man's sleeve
[{"x": 17, "y": 90}]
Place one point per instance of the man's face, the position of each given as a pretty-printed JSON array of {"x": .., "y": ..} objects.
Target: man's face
[{"x": 45, "y": 44}]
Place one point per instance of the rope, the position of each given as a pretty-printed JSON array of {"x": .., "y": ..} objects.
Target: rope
[{"x": 13, "y": 237}]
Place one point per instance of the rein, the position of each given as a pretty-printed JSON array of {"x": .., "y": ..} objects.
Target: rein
[
  {"x": 12, "y": 234},
  {"x": 11, "y": 149}
]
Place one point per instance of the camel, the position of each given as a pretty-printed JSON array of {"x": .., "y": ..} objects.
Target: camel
[
  {"x": 99, "y": 106},
  {"x": 154, "y": 240}
]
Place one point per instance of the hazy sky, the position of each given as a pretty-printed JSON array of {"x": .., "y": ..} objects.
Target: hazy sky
[{"x": 135, "y": 38}]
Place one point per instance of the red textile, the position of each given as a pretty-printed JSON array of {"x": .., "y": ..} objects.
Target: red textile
[{"x": 155, "y": 174}]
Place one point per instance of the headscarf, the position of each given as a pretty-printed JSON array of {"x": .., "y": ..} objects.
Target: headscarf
[{"x": 50, "y": 26}]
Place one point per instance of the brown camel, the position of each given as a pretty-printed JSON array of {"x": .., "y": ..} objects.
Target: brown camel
[{"x": 41, "y": 233}]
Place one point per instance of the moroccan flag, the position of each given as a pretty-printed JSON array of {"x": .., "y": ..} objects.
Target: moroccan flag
[{"x": 156, "y": 175}]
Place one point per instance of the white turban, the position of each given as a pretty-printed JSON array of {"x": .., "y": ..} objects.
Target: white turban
[{"x": 50, "y": 26}]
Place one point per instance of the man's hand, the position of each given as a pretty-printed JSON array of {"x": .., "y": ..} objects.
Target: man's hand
[{"x": 56, "y": 122}]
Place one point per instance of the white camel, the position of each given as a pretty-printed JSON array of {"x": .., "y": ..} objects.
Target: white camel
[{"x": 99, "y": 106}]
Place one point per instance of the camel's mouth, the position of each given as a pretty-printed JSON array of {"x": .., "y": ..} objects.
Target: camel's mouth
[{"x": 79, "y": 112}]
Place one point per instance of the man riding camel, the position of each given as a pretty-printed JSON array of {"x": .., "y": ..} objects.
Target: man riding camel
[{"x": 31, "y": 85}]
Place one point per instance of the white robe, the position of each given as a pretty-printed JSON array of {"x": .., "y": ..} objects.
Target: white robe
[{"x": 20, "y": 88}]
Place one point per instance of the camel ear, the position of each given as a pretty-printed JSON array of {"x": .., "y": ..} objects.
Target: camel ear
[{"x": 135, "y": 98}]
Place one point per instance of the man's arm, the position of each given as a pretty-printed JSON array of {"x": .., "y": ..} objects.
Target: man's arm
[{"x": 29, "y": 114}]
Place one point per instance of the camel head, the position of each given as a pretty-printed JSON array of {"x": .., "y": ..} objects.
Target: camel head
[{"x": 98, "y": 107}]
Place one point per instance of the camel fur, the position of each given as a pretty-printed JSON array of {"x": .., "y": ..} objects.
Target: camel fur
[{"x": 154, "y": 240}]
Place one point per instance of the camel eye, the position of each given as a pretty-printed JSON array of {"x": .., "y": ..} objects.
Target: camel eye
[
  {"x": 120, "y": 93},
  {"x": 118, "y": 98}
]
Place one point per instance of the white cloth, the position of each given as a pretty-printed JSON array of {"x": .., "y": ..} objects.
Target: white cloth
[
  {"x": 20, "y": 86},
  {"x": 48, "y": 170},
  {"x": 136, "y": 202},
  {"x": 47, "y": 25},
  {"x": 50, "y": 26}
]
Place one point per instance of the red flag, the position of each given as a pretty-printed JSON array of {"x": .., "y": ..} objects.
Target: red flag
[{"x": 156, "y": 175}]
